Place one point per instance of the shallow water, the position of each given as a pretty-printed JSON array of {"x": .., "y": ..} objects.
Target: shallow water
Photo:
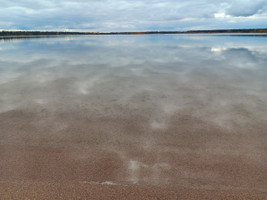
[{"x": 146, "y": 109}]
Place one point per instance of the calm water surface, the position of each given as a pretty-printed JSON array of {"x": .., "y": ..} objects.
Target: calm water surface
[{"x": 169, "y": 109}]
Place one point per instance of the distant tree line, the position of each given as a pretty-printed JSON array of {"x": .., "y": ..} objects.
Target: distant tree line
[
  {"x": 23, "y": 33},
  {"x": 51, "y": 33},
  {"x": 230, "y": 31}
]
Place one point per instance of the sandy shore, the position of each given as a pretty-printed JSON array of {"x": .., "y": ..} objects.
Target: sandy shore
[
  {"x": 208, "y": 163},
  {"x": 43, "y": 190}
]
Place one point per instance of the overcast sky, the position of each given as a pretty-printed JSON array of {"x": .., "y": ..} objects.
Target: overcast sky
[{"x": 131, "y": 15}]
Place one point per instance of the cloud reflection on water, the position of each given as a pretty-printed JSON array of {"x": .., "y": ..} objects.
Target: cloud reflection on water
[{"x": 170, "y": 71}]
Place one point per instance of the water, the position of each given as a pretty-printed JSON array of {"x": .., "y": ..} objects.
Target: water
[{"x": 161, "y": 106}]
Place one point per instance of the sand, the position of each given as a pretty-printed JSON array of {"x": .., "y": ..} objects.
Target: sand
[{"x": 113, "y": 158}]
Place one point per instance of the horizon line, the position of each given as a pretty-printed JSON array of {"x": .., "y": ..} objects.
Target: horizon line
[{"x": 49, "y": 32}]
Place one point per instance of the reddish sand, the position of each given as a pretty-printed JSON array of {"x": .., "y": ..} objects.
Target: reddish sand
[
  {"x": 43, "y": 190},
  {"x": 122, "y": 158}
]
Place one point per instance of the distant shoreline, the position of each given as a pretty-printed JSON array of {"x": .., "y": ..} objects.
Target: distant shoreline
[{"x": 222, "y": 31}]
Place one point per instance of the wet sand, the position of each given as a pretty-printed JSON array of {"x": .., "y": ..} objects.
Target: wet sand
[
  {"x": 123, "y": 159},
  {"x": 41, "y": 190},
  {"x": 147, "y": 127}
]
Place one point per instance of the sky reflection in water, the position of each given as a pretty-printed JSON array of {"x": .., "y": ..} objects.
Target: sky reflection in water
[{"x": 208, "y": 75}]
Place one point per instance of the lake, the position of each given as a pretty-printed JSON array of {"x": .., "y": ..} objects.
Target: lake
[{"x": 156, "y": 111}]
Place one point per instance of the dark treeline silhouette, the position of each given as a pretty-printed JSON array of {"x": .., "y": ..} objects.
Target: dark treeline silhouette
[
  {"x": 51, "y": 33},
  {"x": 40, "y": 33},
  {"x": 7, "y": 38},
  {"x": 229, "y": 31}
]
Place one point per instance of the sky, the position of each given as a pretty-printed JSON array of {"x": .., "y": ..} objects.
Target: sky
[{"x": 131, "y": 15}]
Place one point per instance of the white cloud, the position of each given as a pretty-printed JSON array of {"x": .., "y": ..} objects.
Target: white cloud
[
  {"x": 123, "y": 15},
  {"x": 221, "y": 15}
]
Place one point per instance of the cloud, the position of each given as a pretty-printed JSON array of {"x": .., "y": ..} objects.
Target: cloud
[
  {"x": 124, "y": 15},
  {"x": 246, "y": 8}
]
